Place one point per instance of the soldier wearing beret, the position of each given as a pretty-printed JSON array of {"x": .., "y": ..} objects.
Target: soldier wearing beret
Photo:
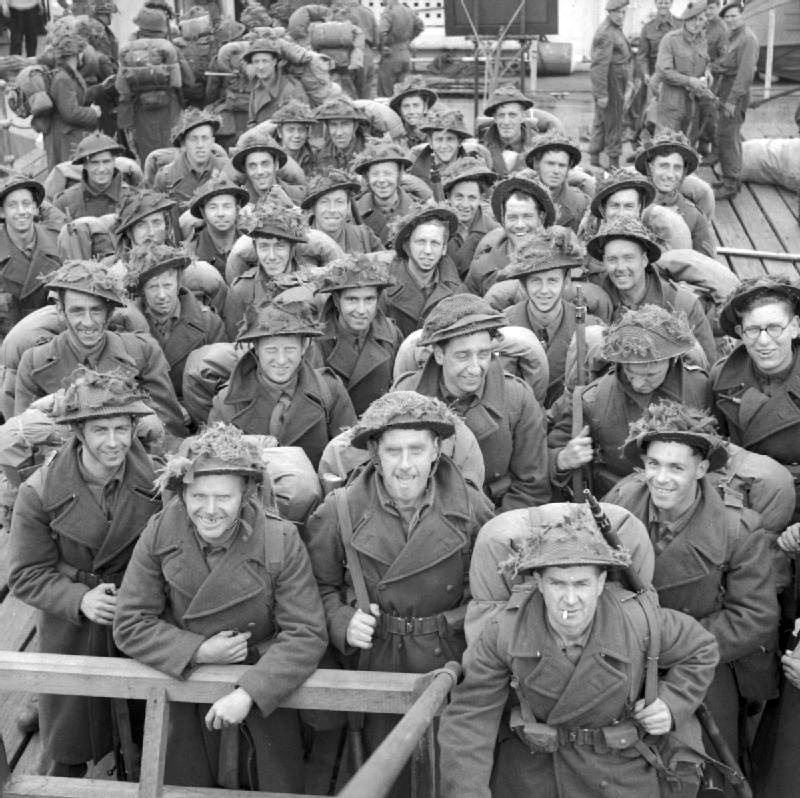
[
  {"x": 400, "y": 532},
  {"x": 610, "y": 72},
  {"x": 359, "y": 342},
  {"x": 712, "y": 558},
  {"x": 87, "y": 294},
  {"x": 217, "y": 579},
  {"x": 647, "y": 346},
  {"x": 681, "y": 67},
  {"x": 102, "y": 186},
  {"x": 179, "y": 322},
  {"x": 75, "y": 523},
  {"x": 501, "y": 410},
  {"x": 273, "y": 389},
  {"x": 592, "y": 715}
]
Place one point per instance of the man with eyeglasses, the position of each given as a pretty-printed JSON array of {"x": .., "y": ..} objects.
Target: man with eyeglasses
[{"x": 757, "y": 387}]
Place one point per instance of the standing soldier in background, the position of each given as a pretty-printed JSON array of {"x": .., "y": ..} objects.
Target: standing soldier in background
[
  {"x": 717, "y": 43},
  {"x": 610, "y": 74},
  {"x": 735, "y": 73},
  {"x": 365, "y": 78},
  {"x": 398, "y": 26},
  {"x": 681, "y": 70}
]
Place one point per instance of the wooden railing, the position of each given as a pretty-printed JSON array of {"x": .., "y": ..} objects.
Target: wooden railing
[{"x": 419, "y": 697}]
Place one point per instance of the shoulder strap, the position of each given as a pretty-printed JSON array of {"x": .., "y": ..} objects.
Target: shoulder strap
[
  {"x": 351, "y": 555},
  {"x": 653, "y": 648},
  {"x": 273, "y": 551}
]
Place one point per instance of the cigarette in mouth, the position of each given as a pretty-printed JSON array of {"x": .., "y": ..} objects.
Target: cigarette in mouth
[{"x": 564, "y": 615}]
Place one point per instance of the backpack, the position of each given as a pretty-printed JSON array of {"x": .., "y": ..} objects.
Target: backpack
[
  {"x": 148, "y": 69},
  {"x": 198, "y": 53},
  {"x": 334, "y": 39},
  {"x": 30, "y": 96}
]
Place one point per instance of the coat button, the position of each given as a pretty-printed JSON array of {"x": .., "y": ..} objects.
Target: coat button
[
  {"x": 603, "y": 784},
  {"x": 437, "y": 652},
  {"x": 449, "y": 588}
]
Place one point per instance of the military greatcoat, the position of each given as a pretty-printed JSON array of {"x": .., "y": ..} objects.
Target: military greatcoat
[
  {"x": 319, "y": 411},
  {"x": 170, "y": 602},
  {"x": 510, "y": 428},
  {"x": 57, "y": 521},
  {"x": 591, "y": 693}
]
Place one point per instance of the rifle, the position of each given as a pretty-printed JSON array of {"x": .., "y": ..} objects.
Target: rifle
[
  {"x": 436, "y": 183},
  {"x": 612, "y": 538},
  {"x": 580, "y": 381},
  {"x": 727, "y": 764}
]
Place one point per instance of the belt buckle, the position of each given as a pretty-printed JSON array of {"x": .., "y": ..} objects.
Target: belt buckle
[
  {"x": 408, "y": 625},
  {"x": 572, "y": 735}
]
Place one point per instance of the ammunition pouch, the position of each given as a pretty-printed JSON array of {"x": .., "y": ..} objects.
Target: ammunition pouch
[
  {"x": 543, "y": 738},
  {"x": 757, "y": 675}
]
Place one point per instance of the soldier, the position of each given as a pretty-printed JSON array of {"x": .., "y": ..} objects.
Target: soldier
[
  {"x": 75, "y": 523},
  {"x": 102, "y": 186},
  {"x": 382, "y": 164},
  {"x": 401, "y": 532},
  {"x": 551, "y": 157},
  {"x": 681, "y": 70},
  {"x": 465, "y": 184},
  {"x": 411, "y": 101},
  {"x": 712, "y": 559},
  {"x": 359, "y": 342},
  {"x": 501, "y": 410},
  {"x": 28, "y": 249},
  {"x": 178, "y": 321},
  {"x": 610, "y": 72},
  {"x": 647, "y": 346},
  {"x": 276, "y": 227},
  {"x": 196, "y": 162},
  {"x": 216, "y": 205},
  {"x": 87, "y": 294},
  {"x": 182, "y": 604},
  {"x": 344, "y": 133},
  {"x": 149, "y": 83},
  {"x": 735, "y": 71},
  {"x": 272, "y": 85},
  {"x": 273, "y": 390},
  {"x": 293, "y": 120},
  {"x": 594, "y": 716},
  {"x": 653, "y": 31},
  {"x": 542, "y": 267},
  {"x": 754, "y": 385},
  {"x": 144, "y": 216},
  {"x": 365, "y": 78},
  {"x": 398, "y": 25},
  {"x": 423, "y": 272},
  {"x": 259, "y": 157},
  {"x": 628, "y": 253},
  {"x": 70, "y": 119},
  {"x": 717, "y": 43},
  {"x": 622, "y": 193},
  {"x": 666, "y": 160},
  {"x": 510, "y": 134},
  {"x": 522, "y": 205},
  {"x": 330, "y": 203},
  {"x": 445, "y": 133}
]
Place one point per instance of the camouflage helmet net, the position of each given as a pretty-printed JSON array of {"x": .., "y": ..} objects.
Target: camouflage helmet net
[{"x": 651, "y": 333}]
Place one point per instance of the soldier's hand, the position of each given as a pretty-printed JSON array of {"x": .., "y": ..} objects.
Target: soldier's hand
[
  {"x": 224, "y": 648},
  {"x": 729, "y": 108},
  {"x": 696, "y": 84},
  {"x": 229, "y": 710},
  {"x": 100, "y": 603},
  {"x": 578, "y": 452},
  {"x": 362, "y": 627},
  {"x": 601, "y": 103},
  {"x": 791, "y": 668},
  {"x": 789, "y": 539},
  {"x": 654, "y": 718}
]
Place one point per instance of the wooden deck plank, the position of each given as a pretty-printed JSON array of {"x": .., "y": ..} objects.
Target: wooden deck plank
[
  {"x": 730, "y": 233},
  {"x": 755, "y": 219},
  {"x": 782, "y": 215}
]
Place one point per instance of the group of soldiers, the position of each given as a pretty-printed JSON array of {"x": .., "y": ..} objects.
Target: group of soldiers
[
  {"x": 690, "y": 74},
  {"x": 294, "y": 403}
]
